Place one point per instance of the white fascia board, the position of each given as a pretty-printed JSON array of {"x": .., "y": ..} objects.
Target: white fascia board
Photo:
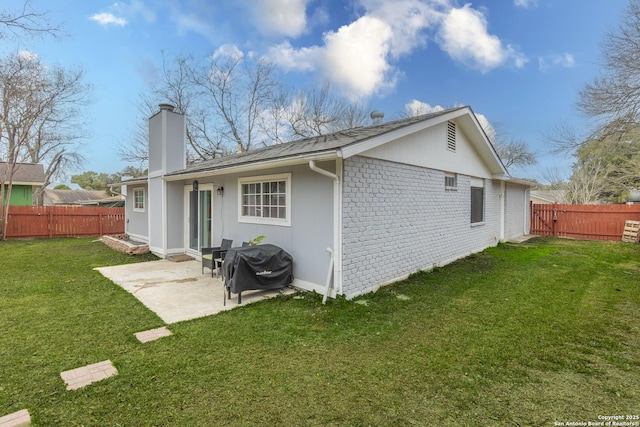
[
  {"x": 33, "y": 184},
  {"x": 132, "y": 182},
  {"x": 376, "y": 141},
  {"x": 500, "y": 177},
  {"x": 507, "y": 178},
  {"x": 267, "y": 164}
]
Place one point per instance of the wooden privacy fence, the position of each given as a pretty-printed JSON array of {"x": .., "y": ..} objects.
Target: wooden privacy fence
[
  {"x": 64, "y": 221},
  {"x": 591, "y": 222}
]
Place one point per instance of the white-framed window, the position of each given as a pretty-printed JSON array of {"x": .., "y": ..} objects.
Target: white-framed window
[
  {"x": 138, "y": 199},
  {"x": 265, "y": 199},
  {"x": 450, "y": 181}
]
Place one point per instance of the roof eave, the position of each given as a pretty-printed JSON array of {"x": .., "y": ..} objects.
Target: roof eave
[
  {"x": 33, "y": 184},
  {"x": 254, "y": 166},
  {"x": 132, "y": 182}
]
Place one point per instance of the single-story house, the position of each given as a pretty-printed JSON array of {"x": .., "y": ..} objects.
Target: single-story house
[
  {"x": 81, "y": 198},
  {"x": 26, "y": 178},
  {"x": 386, "y": 200}
]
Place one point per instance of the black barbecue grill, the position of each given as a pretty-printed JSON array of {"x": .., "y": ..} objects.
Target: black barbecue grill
[{"x": 256, "y": 268}]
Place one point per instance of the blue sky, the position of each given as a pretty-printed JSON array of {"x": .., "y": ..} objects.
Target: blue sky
[{"x": 518, "y": 63}]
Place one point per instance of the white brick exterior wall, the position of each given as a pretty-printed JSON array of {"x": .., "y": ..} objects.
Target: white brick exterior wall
[{"x": 398, "y": 219}]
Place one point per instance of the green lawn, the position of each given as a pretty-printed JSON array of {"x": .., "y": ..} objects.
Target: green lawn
[{"x": 519, "y": 335}]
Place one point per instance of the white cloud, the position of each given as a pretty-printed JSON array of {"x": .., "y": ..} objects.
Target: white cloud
[
  {"x": 360, "y": 57},
  {"x": 525, "y": 3},
  {"x": 105, "y": 19},
  {"x": 418, "y": 108},
  {"x": 408, "y": 20},
  {"x": 464, "y": 36},
  {"x": 228, "y": 50},
  {"x": 354, "y": 58},
  {"x": 280, "y": 17},
  {"x": 565, "y": 60},
  {"x": 290, "y": 58}
]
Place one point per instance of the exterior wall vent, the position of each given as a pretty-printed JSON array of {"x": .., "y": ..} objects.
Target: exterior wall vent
[{"x": 451, "y": 136}]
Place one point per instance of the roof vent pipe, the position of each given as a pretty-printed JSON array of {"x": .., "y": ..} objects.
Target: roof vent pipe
[
  {"x": 167, "y": 107},
  {"x": 376, "y": 117}
]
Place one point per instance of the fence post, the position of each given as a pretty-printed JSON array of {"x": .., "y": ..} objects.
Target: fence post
[
  {"x": 50, "y": 221},
  {"x": 100, "y": 219}
]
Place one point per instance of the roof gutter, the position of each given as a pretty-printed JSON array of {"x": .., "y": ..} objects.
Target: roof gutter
[{"x": 223, "y": 170}]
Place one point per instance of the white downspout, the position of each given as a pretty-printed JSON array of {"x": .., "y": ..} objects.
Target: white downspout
[
  {"x": 328, "y": 281},
  {"x": 503, "y": 209},
  {"x": 336, "y": 254},
  {"x": 527, "y": 212}
]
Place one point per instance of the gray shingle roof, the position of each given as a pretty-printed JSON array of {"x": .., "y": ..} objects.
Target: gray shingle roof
[
  {"x": 70, "y": 197},
  {"x": 312, "y": 145},
  {"x": 25, "y": 172}
]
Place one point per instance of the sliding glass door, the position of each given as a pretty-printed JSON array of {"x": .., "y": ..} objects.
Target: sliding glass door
[{"x": 199, "y": 219}]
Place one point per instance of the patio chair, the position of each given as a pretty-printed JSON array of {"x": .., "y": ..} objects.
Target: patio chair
[{"x": 210, "y": 254}]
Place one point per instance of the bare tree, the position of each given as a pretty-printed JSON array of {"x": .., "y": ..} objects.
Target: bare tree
[
  {"x": 41, "y": 110},
  {"x": 233, "y": 102},
  {"x": 26, "y": 22},
  {"x": 19, "y": 92},
  {"x": 514, "y": 153},
  {"x": 320, "y": 110},
  {"x": 587, "y": 183},
  {"x": 16, "y": 94},
  {"x": 614, "y": 96}
]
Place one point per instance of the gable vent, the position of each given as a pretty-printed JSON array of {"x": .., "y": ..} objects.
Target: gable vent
[{"x": 451, "y": 136}]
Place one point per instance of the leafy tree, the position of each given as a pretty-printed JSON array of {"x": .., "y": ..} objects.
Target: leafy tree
[
  {"x": 91, "y": 180},
  {"x": 62, "y": 187}
]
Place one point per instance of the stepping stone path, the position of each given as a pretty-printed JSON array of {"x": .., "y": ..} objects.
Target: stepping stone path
[
  {"x": 17, "y": 419},
  {"x": 153, "y": 334},
  {"x": 80, "y": 377}
]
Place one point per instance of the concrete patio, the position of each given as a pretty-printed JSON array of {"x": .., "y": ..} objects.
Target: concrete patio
[{"x": 178, "y": 291}]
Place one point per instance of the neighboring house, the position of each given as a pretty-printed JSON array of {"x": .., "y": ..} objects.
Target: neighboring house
[
  {"x": 81, "y": 198},
  {"x": 539, "y": 197},
  {"x": 26, "y": 178},
  {"x": 388, "y": 199}
]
